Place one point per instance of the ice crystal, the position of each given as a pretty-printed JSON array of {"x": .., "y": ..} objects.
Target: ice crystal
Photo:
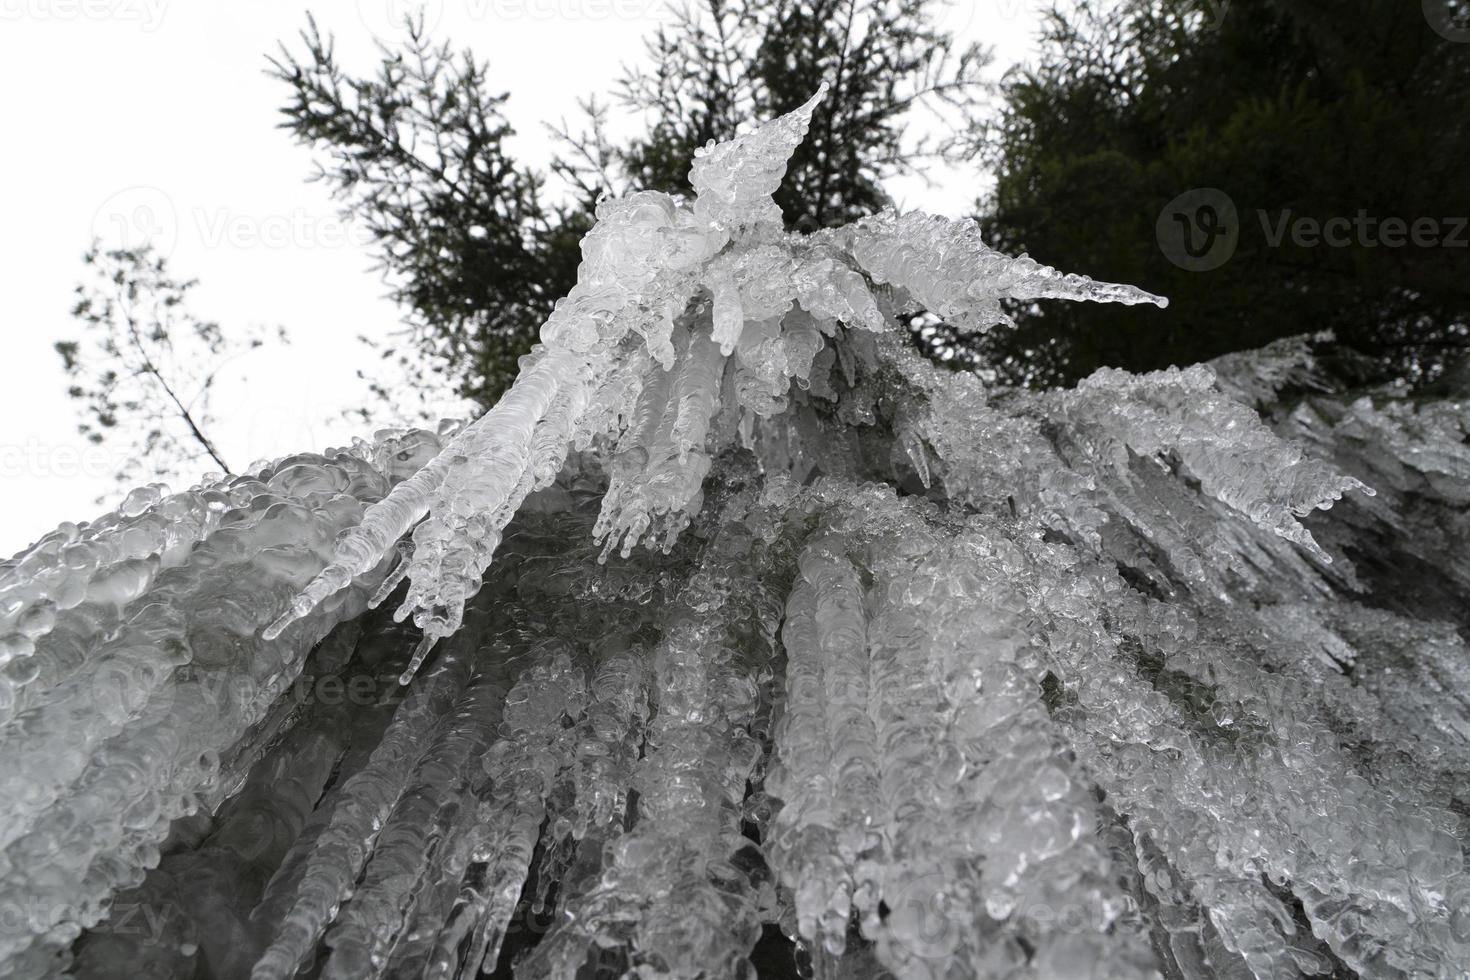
[{"x": 741, "y": 634}]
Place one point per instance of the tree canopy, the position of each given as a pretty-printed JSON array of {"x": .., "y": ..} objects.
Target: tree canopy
[
  {"x": 477, "y": 244},
  {"x": 464, "y": 232},
  {"x": 723, "y": 64},
  {"x": 740, "y": 642},
  {"x": 1323, "y": 141}
]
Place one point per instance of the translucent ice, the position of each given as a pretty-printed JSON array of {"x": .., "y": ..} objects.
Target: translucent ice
[{"x": 738, "y": 632}]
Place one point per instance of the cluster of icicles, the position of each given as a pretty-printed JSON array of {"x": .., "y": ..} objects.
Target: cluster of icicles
[{"x": 908, "y": 677}]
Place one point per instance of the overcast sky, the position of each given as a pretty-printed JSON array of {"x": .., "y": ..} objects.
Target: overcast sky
[{"x": 126, "y": 119}]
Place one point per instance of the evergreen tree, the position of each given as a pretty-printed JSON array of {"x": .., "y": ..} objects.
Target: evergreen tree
[
  {"x": 464, "y": 232},
  {"x": 1241, "y": 126},
  {"x": 478, "y": 249},
  {"x": 721, "y": 64}
]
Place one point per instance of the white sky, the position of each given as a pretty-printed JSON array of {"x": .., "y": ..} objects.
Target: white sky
[{"x": 123, "y": 117}]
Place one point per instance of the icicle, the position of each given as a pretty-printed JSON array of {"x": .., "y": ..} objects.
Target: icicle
[
  {"x": 420, "y": 652},
  {"x": 913, "y": 446},
  {"x": 1097, "y": 663},
  {"x": 377, "y": 912},
  {"x": 128, "y": 743},
  {"x": 828, "y": 753},
  {"x": 827, "y": 288},
  {"x": 670, "y": 894},
  {"x": 343, "y": 847},
  {"x": 395, "y": 578},
  {"x": 1224, "y": 445},
  {"x": 946, "y": 267},
  {"x": 475, "y": 927},
  {"x": 100, "y": 565},
  {"x": 363, "y": 547},
  {"x": 733, "y": 181},
  {"x": 728, "y": 316}
]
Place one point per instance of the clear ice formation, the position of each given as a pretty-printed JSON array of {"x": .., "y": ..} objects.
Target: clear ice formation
[{"x": 787, "y": 633}]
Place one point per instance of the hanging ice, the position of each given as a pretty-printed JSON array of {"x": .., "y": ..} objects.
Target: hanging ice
[
  {"x": 687, "y": 280},
  {"x": 760, "y": 635}
]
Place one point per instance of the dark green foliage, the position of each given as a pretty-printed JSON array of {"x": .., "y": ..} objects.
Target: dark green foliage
[
  {"x": 145, "y": 366},
  {"x": 466, "y": 234},
  {"x": 1315, "y": 109},
  {"x": 417, "y": 152},
  {"x": 724, "y": 64}
]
